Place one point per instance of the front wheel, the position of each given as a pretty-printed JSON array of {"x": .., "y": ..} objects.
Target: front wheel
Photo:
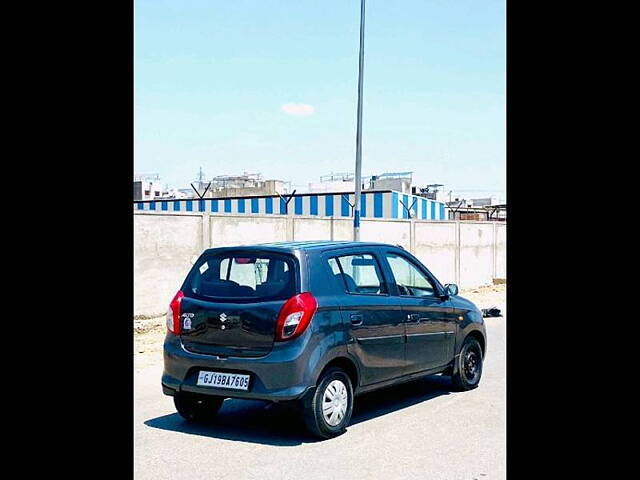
[
  {"x": 469, "y": 365},
  {"x": 197, "y": 408},
  {"x": 328, "y": 412}
]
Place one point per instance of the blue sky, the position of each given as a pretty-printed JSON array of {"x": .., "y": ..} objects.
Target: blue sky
[{"x": 212, "y": 77}]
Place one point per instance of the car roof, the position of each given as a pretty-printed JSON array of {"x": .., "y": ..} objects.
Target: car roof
[
  {"x": 308, "y": 245},
  {"x": 326, "y": 244},
  {"x": 316, "y": 245}
]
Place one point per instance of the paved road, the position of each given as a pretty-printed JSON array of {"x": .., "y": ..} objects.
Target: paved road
[{"x": 421, "y": 430}]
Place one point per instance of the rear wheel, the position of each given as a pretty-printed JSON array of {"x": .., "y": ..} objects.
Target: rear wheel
[
  {"x": 469, "y": 365},
  {"x": 328, "y": 411},
  {"x": 197, "y": 408}
]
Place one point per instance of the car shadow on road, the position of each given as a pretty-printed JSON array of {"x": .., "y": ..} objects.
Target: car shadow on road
[{"x": 271, "y": 424}]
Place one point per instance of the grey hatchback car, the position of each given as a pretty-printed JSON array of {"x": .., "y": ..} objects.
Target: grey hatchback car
[{"x": 313, "y": 324}]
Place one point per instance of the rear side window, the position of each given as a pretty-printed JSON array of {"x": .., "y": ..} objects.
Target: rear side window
[
  {"x": 358, "y": 274},
  {"x": 240, "y": 276}
]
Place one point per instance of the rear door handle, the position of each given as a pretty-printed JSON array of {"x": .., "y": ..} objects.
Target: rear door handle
[
  {"x": 356, "y": 319},
  {"x": 413, "y": 317}
]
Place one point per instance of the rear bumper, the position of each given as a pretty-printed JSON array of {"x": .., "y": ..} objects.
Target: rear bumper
[{"x": 283, "y": 374}]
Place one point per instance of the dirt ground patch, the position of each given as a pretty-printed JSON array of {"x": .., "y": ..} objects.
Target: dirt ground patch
[
  {"x": 149, "y": 333},
  {"x": 148, "y": 336},
  {"x": 487, "y": 297}
]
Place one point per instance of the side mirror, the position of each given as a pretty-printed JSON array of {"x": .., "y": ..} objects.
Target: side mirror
[{"x": 451, "y": 289}]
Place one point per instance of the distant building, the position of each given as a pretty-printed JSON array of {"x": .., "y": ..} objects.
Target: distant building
[
  {"x": 247, "y": 184},
  {"x": 147, "y": 187},
  {"x": 334, "y": 186},
  {"x": 334, "y": 182},
  {"x": 344, "y": 182},
  {"x": 432, "y": 192},
  {"x": 484, "y": 202},
  {"x": 490, "y": 208},
  {"x": 182, "y": 193},
  {"x": 462, "y": 209},
  {"x": 398, "y": 181}
]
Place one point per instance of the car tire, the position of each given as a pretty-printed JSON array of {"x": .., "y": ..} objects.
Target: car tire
[
  {"x": 327, "y": 412},
  {"x": 197, "y": 408},
  {"x": 469, "y": 365}
]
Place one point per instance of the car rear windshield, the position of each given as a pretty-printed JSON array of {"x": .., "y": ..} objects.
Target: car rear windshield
[{"x": 240, "y": 276}]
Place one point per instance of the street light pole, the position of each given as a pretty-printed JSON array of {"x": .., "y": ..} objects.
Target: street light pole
[{"x": 358, "y": 179}]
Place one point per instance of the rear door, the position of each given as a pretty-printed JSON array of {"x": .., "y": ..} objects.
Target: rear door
[
  {"x": 430, "y": 331},
  {"x": 232, "y": 300},
  {"x": 375, "y": 324}
]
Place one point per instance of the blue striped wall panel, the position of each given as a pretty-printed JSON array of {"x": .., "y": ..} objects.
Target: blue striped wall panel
[
  {"x": 345, "y": 208},
  {"x": 328, "y": 205},
  {"x": 394, "y": 205},
  {"x": 377, "y": 205},
  {"x": 373, "y": 205}
]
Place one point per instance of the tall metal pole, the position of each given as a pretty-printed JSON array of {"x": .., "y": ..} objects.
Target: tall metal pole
[{"x": 358, "y": 180}]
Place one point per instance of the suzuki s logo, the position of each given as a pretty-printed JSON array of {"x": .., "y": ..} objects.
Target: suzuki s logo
[{"x": 223, "y": 317}]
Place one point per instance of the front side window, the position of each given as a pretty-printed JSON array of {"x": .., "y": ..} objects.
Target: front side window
[
  {"x": 358, "y": 274},
  {"x": 264, "y": 276},
  {"x": 410, "y": 280}
]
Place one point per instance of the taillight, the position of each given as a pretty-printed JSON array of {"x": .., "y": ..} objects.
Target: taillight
[
  {"x": 173, "y": 314},
  {"x": 295, "y": 316}
]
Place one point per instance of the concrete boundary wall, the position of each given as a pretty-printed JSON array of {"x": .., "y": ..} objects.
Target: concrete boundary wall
[{"x": 467, "y": 253}]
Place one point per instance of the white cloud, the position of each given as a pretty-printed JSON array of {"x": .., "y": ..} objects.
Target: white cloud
[{"x": 297, "y": 109}]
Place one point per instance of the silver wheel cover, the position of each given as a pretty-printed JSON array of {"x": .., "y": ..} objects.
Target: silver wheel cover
[{"x": 335, "y": 400}]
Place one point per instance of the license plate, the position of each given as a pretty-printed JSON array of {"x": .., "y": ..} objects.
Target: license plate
[{"x": 223, "y": 380}]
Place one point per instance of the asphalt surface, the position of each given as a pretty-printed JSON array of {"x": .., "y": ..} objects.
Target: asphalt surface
[{"x": 420, "y": 430}]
